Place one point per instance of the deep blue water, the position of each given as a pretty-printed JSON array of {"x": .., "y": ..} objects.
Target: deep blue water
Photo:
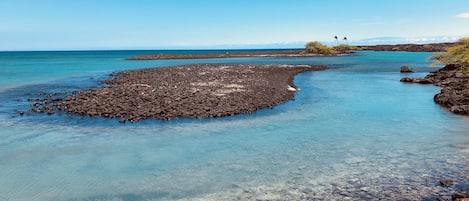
[{"x": 352, "y": 131}]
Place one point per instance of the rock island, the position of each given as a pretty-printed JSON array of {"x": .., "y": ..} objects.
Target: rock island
[{"x": 190, "y": 91}]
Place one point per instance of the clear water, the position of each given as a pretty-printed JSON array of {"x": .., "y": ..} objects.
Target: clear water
[{"x": 352, "y": 132}]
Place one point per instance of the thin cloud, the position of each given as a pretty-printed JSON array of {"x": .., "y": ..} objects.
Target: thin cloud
[{"x": 463, "y": 15}]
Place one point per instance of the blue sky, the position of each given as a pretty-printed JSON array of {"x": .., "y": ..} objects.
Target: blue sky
[{"x": 180, "y": 24}]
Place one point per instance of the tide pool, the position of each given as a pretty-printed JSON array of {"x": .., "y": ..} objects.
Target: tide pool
[{"x": 352, "y": 132}]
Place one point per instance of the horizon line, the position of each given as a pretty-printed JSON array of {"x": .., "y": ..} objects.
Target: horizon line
[{"x": 264, "y": 46}]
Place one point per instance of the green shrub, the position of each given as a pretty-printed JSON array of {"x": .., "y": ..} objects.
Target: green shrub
[
  {"x": 457, "y": 55},
  {"x": 315, "y": 47}
]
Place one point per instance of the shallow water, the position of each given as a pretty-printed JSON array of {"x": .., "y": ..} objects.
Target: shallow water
[{"x": 352, "y": 132}]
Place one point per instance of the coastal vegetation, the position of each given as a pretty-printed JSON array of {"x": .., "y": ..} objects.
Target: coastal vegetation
[
  {"x": 345, "y": 48},
  {"x": 457, "y": 55},
  {"x": 315, "y": 47}
]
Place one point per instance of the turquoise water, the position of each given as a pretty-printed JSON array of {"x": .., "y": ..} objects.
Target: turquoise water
[{"x": 352, "y": 132}]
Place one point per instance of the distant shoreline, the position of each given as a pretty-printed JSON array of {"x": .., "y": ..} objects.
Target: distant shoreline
[
  {"x": 434, "y": 47},
  {"x": 431, "y": 47},
  {"x": 279, "y": 54}
]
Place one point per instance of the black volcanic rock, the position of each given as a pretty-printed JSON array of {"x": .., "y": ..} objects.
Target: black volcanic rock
[
  {"x": 406, "y": 69},
  {"x": 454, "y": 94},
  {"x": 192, "y": 91},
  {"x": 417, "y": 80}
]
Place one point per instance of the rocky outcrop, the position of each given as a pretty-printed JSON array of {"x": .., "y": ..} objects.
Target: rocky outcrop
[
  {"x": 406, "y": 69},
  {"x": 417, "y": 80},
  {"x": 454, "y": 94},
  {"x": 192, "y": 91}
]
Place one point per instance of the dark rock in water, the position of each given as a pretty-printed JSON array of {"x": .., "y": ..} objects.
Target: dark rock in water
[
  {"x": 192, "y": 91},
  {"x": 406, "y": 69},
  {"x": 417, "y": 80},
  {"x": 407, "y": 79},
  {"x": 446, "y": 182},
  {"x": 21, "y": 113}
]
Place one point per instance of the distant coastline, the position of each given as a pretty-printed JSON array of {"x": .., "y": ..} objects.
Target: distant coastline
[
  {"x": 286, "y": 53},
  {"x": 434, "y": 47}
]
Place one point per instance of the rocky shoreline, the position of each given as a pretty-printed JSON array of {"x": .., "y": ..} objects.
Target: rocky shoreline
[
  {"x": 454, "y": 94},
  {"x": 191, "y": 91},
  {"x": 435, "y": 47}
]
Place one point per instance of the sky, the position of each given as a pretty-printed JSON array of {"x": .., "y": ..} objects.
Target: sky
[{"x": 215, "y": 24}]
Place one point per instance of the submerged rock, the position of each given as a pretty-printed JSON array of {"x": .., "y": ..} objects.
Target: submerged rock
[{"x": 417, "y": 80}]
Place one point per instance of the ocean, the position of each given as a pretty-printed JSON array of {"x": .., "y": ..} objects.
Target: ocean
[{"x": 353, "y": 132}]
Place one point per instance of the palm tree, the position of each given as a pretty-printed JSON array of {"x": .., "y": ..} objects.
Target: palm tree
[
  {"x": 346, "y": 40},
  {"x": 336, "y": 39}
]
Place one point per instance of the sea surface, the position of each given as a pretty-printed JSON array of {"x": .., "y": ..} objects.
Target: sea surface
[{"x": 354, "y": 132}]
